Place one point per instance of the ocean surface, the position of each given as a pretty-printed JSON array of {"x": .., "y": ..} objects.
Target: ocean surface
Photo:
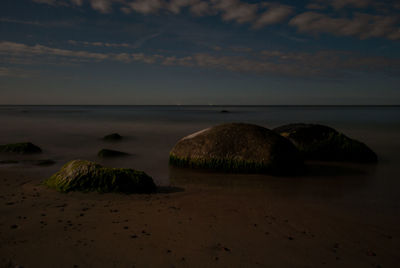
[{"x": 75, "y": 132}]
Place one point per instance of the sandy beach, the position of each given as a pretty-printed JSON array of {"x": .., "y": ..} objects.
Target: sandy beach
[
  {"x": 225, "y": 224},
  {"x": 199, "y": 133}
]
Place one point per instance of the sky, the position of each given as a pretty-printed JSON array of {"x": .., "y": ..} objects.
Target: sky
[{"x": 200, "y": 52}]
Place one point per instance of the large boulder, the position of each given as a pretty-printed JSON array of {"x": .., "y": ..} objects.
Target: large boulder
[
  {"x": 318, "y": 142},
  {"x": 238, "y": 147},
  {"x": 20, "y": 148},
  {"x": 82, "y": 175}
]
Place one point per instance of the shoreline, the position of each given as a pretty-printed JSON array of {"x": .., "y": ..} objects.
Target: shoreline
[{"x": 192, "y": 225}]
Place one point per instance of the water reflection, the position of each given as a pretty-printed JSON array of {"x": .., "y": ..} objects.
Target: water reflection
[{"x": 322, "y": 180}]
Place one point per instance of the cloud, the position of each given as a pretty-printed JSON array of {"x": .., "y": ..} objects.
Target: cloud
[
  {"x": 77, "y": 2},
  {"x": 173, "y": 61},
  {"x": 15, "y": 72},
  {"x": 235, "y": 10},
  {"x": 21, "y": 22},
  {"x": 383, "y": 23},
  {"x": 360, "y": 25},
  {"x": 22, "y": 51},
  {"x": 175, "y": 6},
  {"x": 103, "y": 6},
  {"x": 386, "y": 6},
  {"x": 274, "y": 14},
  {"x": 320, "y": 64},
  {"x": 229, "y": 10},
  {"x": 338, "y": 4},
  {"x": 137, "y": 44},
  {"x": 100, "y": 44},
  {"x": 201, "y": 8},
  {"x": 317, "y": 6},
  {"x": 147, "y": 6}
]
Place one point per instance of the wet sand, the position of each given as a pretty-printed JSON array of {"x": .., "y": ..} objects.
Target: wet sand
[{"x": 189, "y": 225}]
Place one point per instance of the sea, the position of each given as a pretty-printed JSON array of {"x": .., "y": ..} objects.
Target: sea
[{"x": 149, "y": 132}]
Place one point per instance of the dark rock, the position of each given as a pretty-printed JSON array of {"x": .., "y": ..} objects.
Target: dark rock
[
  {"x": 238, "y": 147},
  {"x": 82, "y": 175},
  {"x": 21, "y": 148},
  {"x": 104, "y": 153},
  {"x": 318, "y": 142},
  {"x": 112, "y": 137}
]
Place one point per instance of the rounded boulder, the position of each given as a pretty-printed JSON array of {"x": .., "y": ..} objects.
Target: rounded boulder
[
  {"x": 86, "y": 176},
  {"x": 319, "y": 142},
  {"x": 238, "y": 147}
]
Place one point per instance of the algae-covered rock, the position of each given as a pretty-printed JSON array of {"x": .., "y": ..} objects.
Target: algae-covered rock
[
  {"x": 112, "y": 137},
  {"x": 21, "y": 148},
  {"x": 106, "y": 153},
  {"x": 319, "y": 142},
  {"x": 82, "y": 175},
  {"x": 238, "y": 147}
]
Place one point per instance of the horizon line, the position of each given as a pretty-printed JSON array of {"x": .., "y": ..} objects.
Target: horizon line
[{"x": 218, "y": 105}]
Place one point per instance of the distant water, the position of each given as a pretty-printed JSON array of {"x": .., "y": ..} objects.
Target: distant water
[{"x": 75, "y": 132}]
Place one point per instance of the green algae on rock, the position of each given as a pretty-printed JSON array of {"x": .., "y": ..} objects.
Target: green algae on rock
[
  {"x": 20, "y": 148},
  {"x": 86, "y": 176},
  {"x": 106, "y": 153},
  {"x": 112, "y": 137},
  {"x": 319, "y": 142},
  {"x": 238, "y": 147}
]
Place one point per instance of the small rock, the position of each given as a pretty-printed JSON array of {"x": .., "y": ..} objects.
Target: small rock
[
  {"x": 112, "y": 137},
  {"x": 106, "y": 153},
  {"x": 21, "y": 148}
]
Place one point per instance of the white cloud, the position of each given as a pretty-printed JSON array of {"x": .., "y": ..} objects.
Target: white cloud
[
  {"x": 100, "y": 44},
  {"x": 77, "y": 2},
  {"x": 201, "y": 8},
  {"x": 103, "y": 6},
  {"x": 293, "y": 64},
  {"x": 236, "y": 10},
  {"x": 360, "y": 25},
  {"x": 385, "y": 23},
  {"x": 147, "y": 6},
  {"x": 273, "y": 15}
]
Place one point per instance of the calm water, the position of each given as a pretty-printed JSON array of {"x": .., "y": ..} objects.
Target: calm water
[{"x": 74, "y": 132}]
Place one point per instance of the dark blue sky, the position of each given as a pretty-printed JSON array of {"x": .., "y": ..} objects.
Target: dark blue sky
[{"x": 199, "y": 52}]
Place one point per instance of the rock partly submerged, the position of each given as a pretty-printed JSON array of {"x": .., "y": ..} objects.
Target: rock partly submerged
[
  {"x": 319, "y": 142},
  {"x": 238, "y": 147},
  {"x": 112, "y": 137},
  {"x": 107, "y": 153},
  {"x": 20, "y": 148},
  {"x": 86, "y": 176}
]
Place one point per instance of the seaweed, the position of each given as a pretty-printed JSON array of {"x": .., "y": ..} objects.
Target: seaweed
[{"x": 87, "y": 176}]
